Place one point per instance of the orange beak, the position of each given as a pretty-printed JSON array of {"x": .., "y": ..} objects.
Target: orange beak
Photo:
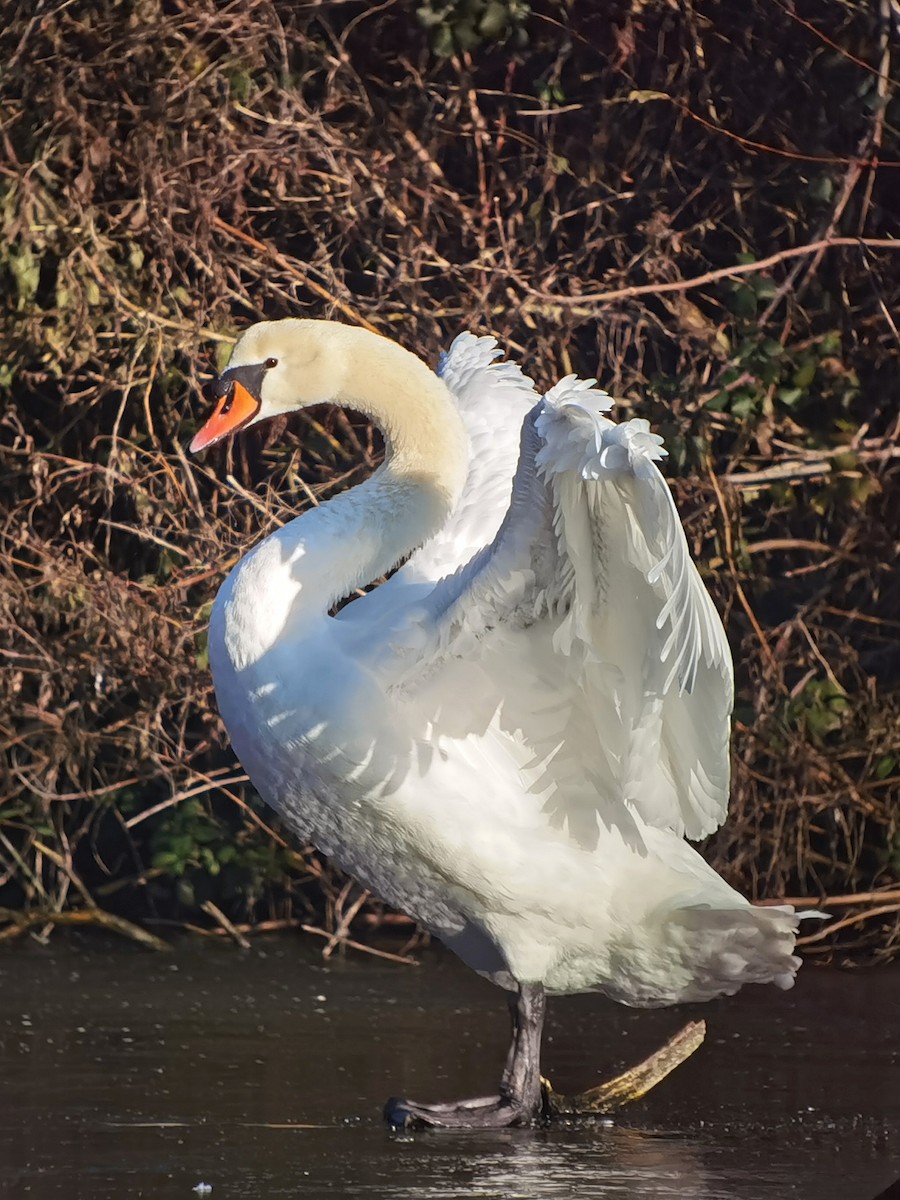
[{"x": 236, "y": 406}]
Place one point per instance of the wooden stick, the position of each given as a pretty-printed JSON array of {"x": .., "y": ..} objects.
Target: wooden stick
[
  {"x": 875, "y": 897},
  {"x": 21, "y": 922},
  {"x": 631, "y": 1084}
]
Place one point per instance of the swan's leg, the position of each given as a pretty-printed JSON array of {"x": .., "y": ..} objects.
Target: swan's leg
[
  {"x": 512, "y": 1002},
  {"x": 519, "y": 1101},
  {"x": 631, "y": 1084}
]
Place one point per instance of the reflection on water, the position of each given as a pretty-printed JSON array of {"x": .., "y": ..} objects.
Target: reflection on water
[
  {"x": 544, "y": 1166},
  {"x": 263, "y": 1074}
]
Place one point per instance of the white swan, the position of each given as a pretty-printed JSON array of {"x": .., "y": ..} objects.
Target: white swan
[{"x": 510, "y": 739}]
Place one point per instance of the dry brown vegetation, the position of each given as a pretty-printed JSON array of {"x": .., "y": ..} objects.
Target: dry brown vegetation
[{"x": 694, "y": 202}]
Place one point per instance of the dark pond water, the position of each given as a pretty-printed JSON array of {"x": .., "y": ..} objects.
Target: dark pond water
[{"x": 126, "y": 1074}]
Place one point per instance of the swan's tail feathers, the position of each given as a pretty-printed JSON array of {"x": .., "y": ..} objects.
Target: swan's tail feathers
[{"x": 734, "y": 946}]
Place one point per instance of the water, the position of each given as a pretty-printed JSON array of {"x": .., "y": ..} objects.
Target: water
[{"x": 127, "y": 1074}]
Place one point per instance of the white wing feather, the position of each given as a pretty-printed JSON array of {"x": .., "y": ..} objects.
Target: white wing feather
[
  {"x": 494, "y": 398},
  {"x": 589, "y": 584}
]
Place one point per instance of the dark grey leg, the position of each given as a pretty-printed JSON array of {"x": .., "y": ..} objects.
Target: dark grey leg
[
  {"x": 519, "y": 1099},
  {"x": 522, "y": 1076}
]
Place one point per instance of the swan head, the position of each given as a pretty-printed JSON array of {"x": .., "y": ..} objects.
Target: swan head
[{"x": 276, "y": 367}]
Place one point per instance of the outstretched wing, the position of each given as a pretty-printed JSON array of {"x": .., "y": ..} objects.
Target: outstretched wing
[
  {"x": 591, "y": 623},
  {"x": 494, "y": 399}
]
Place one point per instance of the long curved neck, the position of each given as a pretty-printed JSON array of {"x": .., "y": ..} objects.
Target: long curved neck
[{"x": 295, "y": 576}]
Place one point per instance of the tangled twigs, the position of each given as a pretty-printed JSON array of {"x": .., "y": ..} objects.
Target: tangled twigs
[
  {"x": 696, "y": 281},
  {"x": 874, "y": 905},
  {"x": 167, "y": 181},
  {"x": 868, "y": 915},
  {"x": 293, "y": 269}
]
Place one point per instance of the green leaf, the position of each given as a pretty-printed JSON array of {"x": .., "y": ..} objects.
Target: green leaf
[
  {"x": 26, "y": 269},
  {"x": 763, "y": 286},
  {"x": 805, "y": 373},
  {"x": 743, "y": 301},
  {"x": 183, "y": 845},
  {"x": 885, "y": 766},
  {"x": 789, "y": 396},
  {"x": 240, "y": 84},
  {"x": 769, "y": 371},
  {"x": 744, "y": 404},
  {"x": 493, "y": 23}
]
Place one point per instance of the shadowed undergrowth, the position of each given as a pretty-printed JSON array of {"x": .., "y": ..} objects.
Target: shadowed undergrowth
[{"x": 597, "y": 189}]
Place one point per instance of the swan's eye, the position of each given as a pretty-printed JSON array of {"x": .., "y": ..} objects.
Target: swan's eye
[{"x": 270, "y": 363}]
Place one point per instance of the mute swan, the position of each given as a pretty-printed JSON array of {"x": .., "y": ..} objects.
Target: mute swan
[{"x": 512, "y": 737}]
